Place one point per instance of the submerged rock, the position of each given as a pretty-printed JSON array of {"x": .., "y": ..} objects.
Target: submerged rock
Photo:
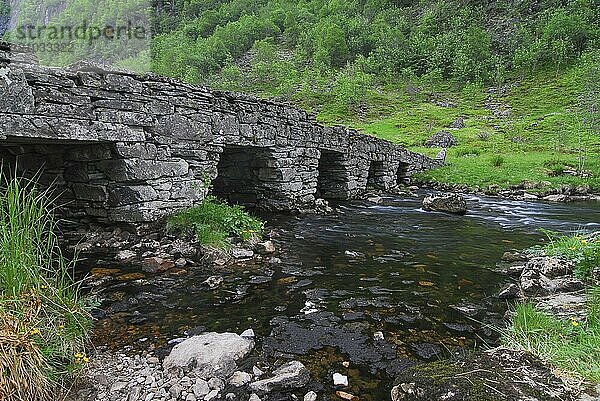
[
  {"x": 213, "y": 282},
  {"x": 209, "y": 355},
  {"x": 289, "y": 376},
  {"x": 448, "y": 203},
  {"x": 157, "y": 265},
  {"x": 310, "y": 396},
  {"x": 514, "y": 256},
  {"x": 340, "y": 380},
  {"x": 346, "y": 396}
]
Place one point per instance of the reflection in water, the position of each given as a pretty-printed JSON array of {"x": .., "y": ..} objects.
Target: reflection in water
[{"x": 391, "y": 267}]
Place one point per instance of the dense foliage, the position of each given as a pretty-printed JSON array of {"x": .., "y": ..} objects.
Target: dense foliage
[
  {"x": 213, "y": 222},
  {"x": 464, "y": 41},
  {"x": 43, "y": 320},
  {"x": 398, "y": 69}
]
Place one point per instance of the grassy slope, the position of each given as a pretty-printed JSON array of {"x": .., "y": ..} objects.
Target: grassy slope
[{"x": 542, "y": 118}]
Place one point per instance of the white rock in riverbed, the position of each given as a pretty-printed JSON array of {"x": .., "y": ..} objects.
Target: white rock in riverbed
[
  {"x": 209, "y": 355},
  {"x": 212, "y": 395},
  {"x": 249, "y": 333},
  {"x": 310, "y": 396},
  {"x": 216, "y": 383},
  {"x": 340, "y": 380},
  {"x": 200, "y": 388},
  {"x": 289, "y": 376},
  {"x": 239, "y": 379}
]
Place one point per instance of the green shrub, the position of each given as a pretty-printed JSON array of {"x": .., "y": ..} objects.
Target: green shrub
[
  {"x": 556, "y": 167},
  {"x": 43, "y": 320},
  {"x": 497, "y": 160},
  {"x": 213, "y": 222},
  {"x": 468, "y": 152},
  {"x": 585, "y": 253}
]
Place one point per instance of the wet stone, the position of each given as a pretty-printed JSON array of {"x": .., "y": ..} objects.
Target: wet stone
[
  {"x": 289, "y": 376},
  {"x": 259, "y": 279},
  {"x": 460, "y": 327},
  {"x": 427, "y": 351},
  {"x": 352, "y": 316}
]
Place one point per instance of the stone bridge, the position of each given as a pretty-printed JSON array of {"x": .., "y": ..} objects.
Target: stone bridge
[{"x": 129, "y": 148}]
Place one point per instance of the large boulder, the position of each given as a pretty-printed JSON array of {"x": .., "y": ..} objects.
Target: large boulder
[
  {"x": 548, "y": 275},
  {"x": 550, "y": 266},
  {"x": 441, "y": 139},
  {"x": 289, "y": 376},
  {"x": 209, "y": 355},
  {"x": 448, "y": 203}
]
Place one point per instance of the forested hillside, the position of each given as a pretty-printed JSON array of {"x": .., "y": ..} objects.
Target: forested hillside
[{"x": 373, "y": 41}]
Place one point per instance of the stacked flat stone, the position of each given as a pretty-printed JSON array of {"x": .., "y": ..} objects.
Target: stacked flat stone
[{"x": 133, "y": 148}]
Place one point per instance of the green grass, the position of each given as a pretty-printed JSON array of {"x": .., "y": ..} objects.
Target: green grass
[
  {"x": 213, "y": 222},
  {"x": 43, "y": 321},
  {"x": 584, "y": 252},
  {"x": 571, "y": 346},
  {"x": 540, "y": 137}
]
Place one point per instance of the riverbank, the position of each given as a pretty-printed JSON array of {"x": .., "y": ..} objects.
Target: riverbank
[{"x": 524, "y": 191}]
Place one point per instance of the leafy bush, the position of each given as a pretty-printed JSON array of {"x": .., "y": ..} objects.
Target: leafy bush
[
  {"x": 555, "y": 167},
  {"x": 43, "y": 320},
  {"x": 584, "y": 252},
  {"x": 214, "y": 221},
  {"x": 497, "y": 161},
  {"x": 350, "y": 88}
]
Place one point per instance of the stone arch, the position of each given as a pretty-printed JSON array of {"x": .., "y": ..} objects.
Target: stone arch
[
  {"x": 403, "y": 173},
  {"x": 68, "y": 168},
  {"x": 377, "y": 177},
  {"x": 252, "y": 176},
  {"x": 333, "y": 175}
]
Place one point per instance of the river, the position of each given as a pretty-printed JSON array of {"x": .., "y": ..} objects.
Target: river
[{"x": 423, "y": 281}]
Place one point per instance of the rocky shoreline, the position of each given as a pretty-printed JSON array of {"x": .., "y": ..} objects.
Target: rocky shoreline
[
  {"x": 209, "y": 366},
  {"x": 525, "y": 191}
]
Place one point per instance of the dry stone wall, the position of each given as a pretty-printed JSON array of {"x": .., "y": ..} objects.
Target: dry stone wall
[{"x": 132, "y": 148}]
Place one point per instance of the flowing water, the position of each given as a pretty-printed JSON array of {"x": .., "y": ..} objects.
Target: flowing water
[{"x": 425, "y": 280}]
